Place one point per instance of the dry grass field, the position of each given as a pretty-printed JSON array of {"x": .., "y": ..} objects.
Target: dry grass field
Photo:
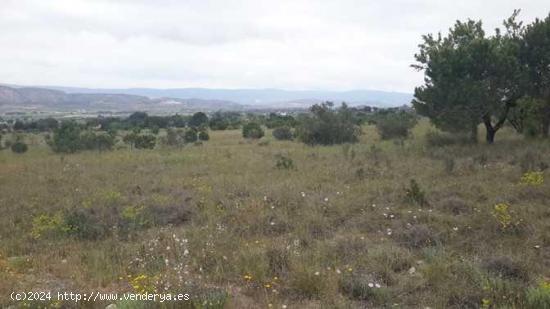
[{"x": 370, "y": 225}]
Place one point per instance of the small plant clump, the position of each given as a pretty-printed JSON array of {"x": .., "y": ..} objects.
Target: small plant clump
[
  {"x": 203, "y": 136},
  {"x": 284, "y": 162},
  {"x": 415, "y": 195},
  {"x": 532, "y": 178},
  {"x": 252, "y": 130},
  {"x": 501, "y": 213},
  {"x": 282, "y": 133},
  {"x": 539, "y": 296},
  {"x": 19, "y": 147},
  {"x": 190, "y": 136}
]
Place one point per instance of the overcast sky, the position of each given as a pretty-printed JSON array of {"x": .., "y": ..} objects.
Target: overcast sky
[{"x": 329, "y": 45}]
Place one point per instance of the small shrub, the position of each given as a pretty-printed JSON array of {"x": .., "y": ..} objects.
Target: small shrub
[
  {"x": 145, "y": 142},
  {"x": 360, "y": 173},
  {"x": 531, "y": 161},
  {"x": 134, "y": 218},
  {"x": 45, "y": 226},
  {"x": 173, "y": 137},
  {"x": 506, "y": 268},
  {"x": 174, "y": 214},
  {"x": 539, "y": 296},
  {"x": 66, "y": 138},
  {"x": 417, "y": 236},
  {"x": 278, "y": 260},
  {"x": 84, "y": 223},
  {"x": 532, "y": 178},
  {"x": 502, "y": 214},
  {"x": 455, "y": 205},
  {"x": 449, "y": 164},
  {"x": 284, "y": 162},
  {"x": 203, "y": 136},
  {"x": 415, "y": 195},
  {"x": 328, "y": 126},
  {"x": 482, "y": 159},
  {"x": 218, "y": 124},
  {"x": 19, "y": 147},
  {"x": 395, "y": 124},
  {"x": 143, "y": 284},
  {"x": 282, "y": 133},
  {"x": 252, "y": 130},
  {"x": 362, "y": 288},
  {"x": 140, "y": 141},
  {"x": 305, "y": 283},
  {"x": 190, "y": 136},
  {"x": 94, "y": 141}
]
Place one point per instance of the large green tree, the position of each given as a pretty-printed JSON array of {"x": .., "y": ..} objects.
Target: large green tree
[
  {"x": 535, "y": 58},
  {"x": 469, "y": 78}
]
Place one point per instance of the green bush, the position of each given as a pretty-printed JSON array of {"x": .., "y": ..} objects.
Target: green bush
[
  {"x": 395, "y": 124},
  {"x": 362, "y": 288},
  {"x": 190, "y": 135},
  {"x": 326, "y": 126},
  {"x": 304, "y": 283},
  {"x": 284, "y": 162},
  {"x": 96, "y": 141},
  {"x": 282, "y": 133},
  {"x": 84, "y": 223},
  {"x": 218, "y": 124},
  {"x": 19, "y": 147},
  {"x": 173, "y": 137},
  {"x": 203, "y": 136},
  {"x": 145, "y": 142},
  {"x": 415, "y": 195},
  {"x": 277, "y": 120},
  {"x": 225, "y": 120},
  {"x": 66, "y": 138},
  {"x": 198, "y": 120},
  {"x": 539, "y": 296},
  {"x": 140, "y": 141},
  {"x": 48, "y": 226},
  {"x": 252, "y": 130}
]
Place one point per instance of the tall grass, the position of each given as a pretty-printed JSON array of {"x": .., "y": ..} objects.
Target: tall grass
[{"x": 254, "y": 235}]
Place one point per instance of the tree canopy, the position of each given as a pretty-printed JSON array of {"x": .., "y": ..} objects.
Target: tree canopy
[{"x": 472, "y": 78}]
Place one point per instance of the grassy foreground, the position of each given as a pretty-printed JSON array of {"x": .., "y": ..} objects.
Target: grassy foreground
[{"x": 340, "y": 228}]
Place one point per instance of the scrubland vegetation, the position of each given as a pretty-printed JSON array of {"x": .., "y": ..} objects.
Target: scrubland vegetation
[
  {"x": 243, "y": 223},
  {"x": 335, "y": 208}
]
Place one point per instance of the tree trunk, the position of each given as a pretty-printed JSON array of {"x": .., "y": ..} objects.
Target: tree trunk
[
  {"x": 491, "y": 131},
  {"x": 545, "y": 127},
  {"x": 490, "y": 137},
  {"x": 545, "y": 123}
]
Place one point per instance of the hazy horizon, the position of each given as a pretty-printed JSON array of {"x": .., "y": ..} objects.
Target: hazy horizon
[{"x": 289, "y": 45}]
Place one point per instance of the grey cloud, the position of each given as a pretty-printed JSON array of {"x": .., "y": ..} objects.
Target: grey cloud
[{"x": 295, "y": 44}]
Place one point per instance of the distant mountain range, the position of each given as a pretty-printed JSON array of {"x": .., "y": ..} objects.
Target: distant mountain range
[
  {"x": 14, "y": 97},
  {"x": 259, "y": 97}
]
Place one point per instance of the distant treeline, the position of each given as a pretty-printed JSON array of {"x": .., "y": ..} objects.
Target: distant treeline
[
  {"x": 324, "y": 124},
  {"x": 215, "y": 121}
]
